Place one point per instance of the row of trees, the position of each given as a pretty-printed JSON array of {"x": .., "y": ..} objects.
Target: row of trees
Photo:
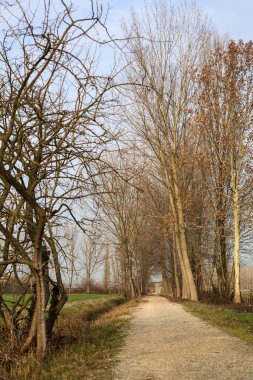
[
  {"x": 171, "y": 194},
  {"x": 188, "y": 105}
]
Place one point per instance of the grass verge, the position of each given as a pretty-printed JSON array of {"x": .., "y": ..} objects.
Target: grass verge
[
  {"x": 236, "y": 322},
  {"x": 84, "y": 348}
]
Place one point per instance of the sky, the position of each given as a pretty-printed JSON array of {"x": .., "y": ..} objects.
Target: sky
[{"x": 232, "y": 17}]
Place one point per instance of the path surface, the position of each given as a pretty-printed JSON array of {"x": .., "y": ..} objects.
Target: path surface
[{"x": 166, "y": 342}]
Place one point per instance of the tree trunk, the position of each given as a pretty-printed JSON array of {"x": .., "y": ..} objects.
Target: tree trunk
[
  {"x": 189, "y": 290},
  {"x": 193, "y": 295},
  {"x": 38, "y": 324},
  {"x": 32, "y": 332},
  {"x": 167, "y": 284},
  {"x": 88, "y": 284},
  {"x": 177, "y": 283},
  {"x": 132, "y": 286},
  {"x": 220, "y": 255},
  {"x": 237, "y": 294},
  {"x": 59, "y": 296},
  {"x": 41, "y": 316},
  {"x": 40, "y": 291}
]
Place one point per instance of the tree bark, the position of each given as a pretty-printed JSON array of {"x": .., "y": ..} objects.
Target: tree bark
[
  {"x": 177, "y": 283},
  {"x": 193, "y": 295},
  {"x": 237, "y": 293},
  {"x": 40, "y": 291}
]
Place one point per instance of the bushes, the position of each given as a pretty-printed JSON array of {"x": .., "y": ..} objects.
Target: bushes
[{"x": 72, "y": 324}]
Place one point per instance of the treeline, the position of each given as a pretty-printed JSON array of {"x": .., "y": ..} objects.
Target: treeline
[
  {"x": 153, "y": 161},
  {"x": 188, "y": 107}
]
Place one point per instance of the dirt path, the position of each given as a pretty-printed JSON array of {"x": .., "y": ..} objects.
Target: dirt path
[{"x": 166, "y": 342}]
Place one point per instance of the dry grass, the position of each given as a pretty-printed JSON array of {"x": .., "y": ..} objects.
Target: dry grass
[
  {"x": 83, "y": 348},
  {"x": 236, "y": 320}
]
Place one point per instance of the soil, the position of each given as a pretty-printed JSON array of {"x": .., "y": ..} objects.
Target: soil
[{"x": 166, "y": 342}]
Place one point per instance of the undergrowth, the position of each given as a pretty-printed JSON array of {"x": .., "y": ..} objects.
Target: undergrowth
[{"x": 86, "y": 340}]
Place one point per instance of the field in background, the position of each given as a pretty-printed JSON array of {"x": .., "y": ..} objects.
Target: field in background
[
  {"x": 81, "y": 297},
  {"x": 12, "y": 298}
]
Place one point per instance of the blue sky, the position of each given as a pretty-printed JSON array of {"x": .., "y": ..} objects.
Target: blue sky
[{"x": 232, "y": 17}]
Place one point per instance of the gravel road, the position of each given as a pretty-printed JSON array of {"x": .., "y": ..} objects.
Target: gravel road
[{"x": 166, "y": 342}]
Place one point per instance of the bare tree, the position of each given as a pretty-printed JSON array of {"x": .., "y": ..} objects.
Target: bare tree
[
  {"x": 71, "y": 254},
  {"x": 123, "y": 212},
  {"x": 52, "y": 140},
  {"x": 107, "y": 270},
  {"x": 225, "y": 117},
  {"x": 92, "y": 258},
  {"x": 165, "y": 43}
]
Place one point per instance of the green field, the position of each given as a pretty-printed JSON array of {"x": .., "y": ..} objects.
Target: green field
[
  {"x": 81, "y": 297},
  {"x": 12, "y": 298}
]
